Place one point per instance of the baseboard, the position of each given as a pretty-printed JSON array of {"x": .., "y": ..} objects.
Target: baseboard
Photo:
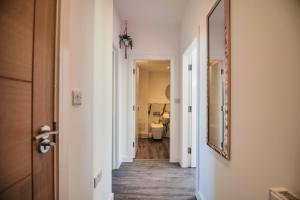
[
  {"x": 174, "y": 160},
  {"x": 111, "y": 196},
  {"x": 199, "y": 196},
  {"x": 127, "y": 159}
]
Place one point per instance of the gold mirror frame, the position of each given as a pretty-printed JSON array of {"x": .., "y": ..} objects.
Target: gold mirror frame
[{"x": 227, "y": 76}]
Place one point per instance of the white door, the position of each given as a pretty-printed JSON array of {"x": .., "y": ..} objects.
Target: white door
[{"x": 189, "y": 110}]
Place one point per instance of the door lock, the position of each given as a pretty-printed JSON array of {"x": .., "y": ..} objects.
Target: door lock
[{"x": 44, "y": 142}]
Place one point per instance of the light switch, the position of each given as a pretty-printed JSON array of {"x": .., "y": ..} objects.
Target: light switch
[{"x": 76, "y": 98}]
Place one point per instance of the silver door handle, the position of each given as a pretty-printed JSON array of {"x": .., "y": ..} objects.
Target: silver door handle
[
  {"x": 44, "y": 142},
  {"x": 44, "y": 133}
]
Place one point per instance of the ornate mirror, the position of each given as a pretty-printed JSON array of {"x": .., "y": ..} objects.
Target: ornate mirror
[{"x": 218, "y": 78}]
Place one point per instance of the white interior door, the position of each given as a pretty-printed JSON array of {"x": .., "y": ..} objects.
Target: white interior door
[
  {"x": 189, "y": 109},
  {"x": 185, "y": 139},
  {"x": 194, "y": 103}
]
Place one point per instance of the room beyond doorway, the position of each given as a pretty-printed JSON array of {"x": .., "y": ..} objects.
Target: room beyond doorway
[{"x": 152, "y": 126}]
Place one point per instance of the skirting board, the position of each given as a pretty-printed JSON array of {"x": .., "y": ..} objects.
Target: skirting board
[
  {"x": 199, "y": 196},
  {"x": 111, "y": 197},
  {"x": 127, "y": 159}
]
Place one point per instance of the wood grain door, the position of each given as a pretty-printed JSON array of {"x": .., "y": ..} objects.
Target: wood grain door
[{"x": 27, "y": 50}]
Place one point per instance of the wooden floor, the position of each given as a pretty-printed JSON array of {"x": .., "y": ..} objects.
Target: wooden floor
[
  {"x": 153, "y": 149},
  {"x": 153, "y": 179}
]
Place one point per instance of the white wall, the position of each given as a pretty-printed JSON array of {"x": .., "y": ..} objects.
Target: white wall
[
  {"x": 160, "y": 42},
  {"x": 155, "y": 41},
  {"x": 102, "y": 101},
  {"x": 158, "y": 82},
  {"x": 265, "y": 99},
  {"x": 76, "y": 72},
  {"x": 123, "y": 86},
  {"x": 151, "y": 88},
  {"x": 142, "y": 100}
]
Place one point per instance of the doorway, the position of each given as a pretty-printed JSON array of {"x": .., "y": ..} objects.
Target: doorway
[
  {"x": 28, "y": 107},
  {"x": 152, "y": 113}
]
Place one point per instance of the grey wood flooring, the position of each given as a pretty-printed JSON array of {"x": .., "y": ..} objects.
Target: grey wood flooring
[
  {"x": 153, "y": 149},
  {"x": 153, "y": 179}
]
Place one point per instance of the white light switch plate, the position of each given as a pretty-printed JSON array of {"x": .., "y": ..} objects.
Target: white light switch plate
[{"x": 76, "y": 98}]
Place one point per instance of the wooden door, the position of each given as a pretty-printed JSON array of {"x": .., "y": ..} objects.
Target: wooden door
[{"x": 27, "y": 50}]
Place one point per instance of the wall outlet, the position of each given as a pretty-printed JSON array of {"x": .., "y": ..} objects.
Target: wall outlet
[
  {"x": 76, "y": 98},
  {"x": 97, "y": 179}
]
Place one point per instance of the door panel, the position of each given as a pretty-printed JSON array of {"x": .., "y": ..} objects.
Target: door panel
[
  {"x": 20, "y": 191},
  {"x": 27, "y": 46},
  {"x": 15, "y": 129},
  {"x": 43, "y": 87},
  {"x": 16, "y": 33}
]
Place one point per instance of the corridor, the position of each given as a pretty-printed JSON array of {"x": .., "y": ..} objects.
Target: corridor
[{"x": 153, "y": 179}]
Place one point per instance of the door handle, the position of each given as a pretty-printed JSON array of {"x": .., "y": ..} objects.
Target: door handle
[
  {"x": 45, "y": 132},
  {"x": 44, "y": 143}
]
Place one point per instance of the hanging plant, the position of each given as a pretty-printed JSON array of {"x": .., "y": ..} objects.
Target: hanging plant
[{"x": 125, "y": 40}]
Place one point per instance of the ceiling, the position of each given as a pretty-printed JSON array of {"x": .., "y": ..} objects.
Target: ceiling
[
  {"x": 154, "y": 65},
  {"x": 160, "y": 12}
]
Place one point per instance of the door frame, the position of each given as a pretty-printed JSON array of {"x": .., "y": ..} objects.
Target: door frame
[
  {"x": 57, "y": 100},
  {"x": 116, "y": 135},
  {"x": 62, "y": 160},
  {"x": 132, "y": 102}
]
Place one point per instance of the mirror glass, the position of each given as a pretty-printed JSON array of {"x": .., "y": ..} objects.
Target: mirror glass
[{"x": 218, "y": 78}]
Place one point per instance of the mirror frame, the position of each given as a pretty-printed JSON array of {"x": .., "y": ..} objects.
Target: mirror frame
[{"x": 227, "y": 74}]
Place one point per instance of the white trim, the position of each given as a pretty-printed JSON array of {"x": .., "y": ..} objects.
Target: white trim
[
  {"x": 199, "y": 196},
  {"x": 111, "y": 196},
  {"x": 198, "y": 114},
  {"x": 116, "y": 133},
  {"x": 132, "y": 101},
  {"x": 126, "y": 159},
  {"x": 63, "y": 135}
]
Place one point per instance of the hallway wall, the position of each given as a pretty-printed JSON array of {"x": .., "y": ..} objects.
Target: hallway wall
[
  {"x": 86, "y": 130},
  {"x": 265, "y": 99},
  {"x": 102, "y": 101},
  {"x": 158, "y": 82},
  {"x": 123, "y": 84},
  {"x": 76, "y": 123},
  {"x": 161, "y": 41},
  {"x": 156, "y": 41}
]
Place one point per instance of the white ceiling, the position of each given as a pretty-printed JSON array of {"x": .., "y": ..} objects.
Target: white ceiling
[{"x": 161, "y": 12}]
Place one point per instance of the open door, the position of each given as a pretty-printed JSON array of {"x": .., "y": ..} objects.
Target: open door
[
  {"x": 189, "y": 109},
  {"x": 27, "y": 128}
]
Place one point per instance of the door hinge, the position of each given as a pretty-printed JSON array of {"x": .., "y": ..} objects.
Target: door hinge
[
  {"x": 189, "y": 150},
  {"x": 133, "y": 71},
  {"x": 133, "y": 144},
  {"x": 190, "y": 67},
  {"x": 222, "y": 71},
  {"x": 222, "y": 108},
  {"x": 133, "y": 108},
  {"x": 190, "y": 109}
]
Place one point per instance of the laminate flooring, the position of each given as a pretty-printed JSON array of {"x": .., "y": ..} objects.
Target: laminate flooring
[
  {"x": 153, "y": 149},
  {"x": 153, "y": 179}
]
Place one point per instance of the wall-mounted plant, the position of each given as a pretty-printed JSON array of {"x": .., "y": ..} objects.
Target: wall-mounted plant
[{"x": 125, "y": 40}]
